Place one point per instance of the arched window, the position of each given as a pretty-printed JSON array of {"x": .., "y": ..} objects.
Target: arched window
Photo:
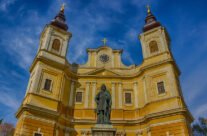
[
  {"x": 56, "y": 45},
  {"x": 153, "y": 46}
]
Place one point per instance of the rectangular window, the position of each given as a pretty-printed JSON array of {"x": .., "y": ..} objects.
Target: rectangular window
[
  {"x": 78, "y": 97},
  {"x": 160, "y": 87},
  {"x": 37, "y": 134},
  {"x": 128, "y": 98},
  {"x": 48, "y": 84}
]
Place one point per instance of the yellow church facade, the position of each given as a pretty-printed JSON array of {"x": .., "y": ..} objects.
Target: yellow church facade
[{"x": 146, "y": 100}]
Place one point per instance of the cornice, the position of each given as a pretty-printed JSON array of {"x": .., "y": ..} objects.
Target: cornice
[
  {"x": 37, "y": 110},
  {"x": 145, "y": 119}
]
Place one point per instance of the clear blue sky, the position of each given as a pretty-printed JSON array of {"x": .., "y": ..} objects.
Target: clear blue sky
[{"x": 120, "y": 21}]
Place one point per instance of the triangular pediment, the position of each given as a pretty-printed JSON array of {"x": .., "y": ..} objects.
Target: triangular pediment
[{"x": 102, "y": 72}]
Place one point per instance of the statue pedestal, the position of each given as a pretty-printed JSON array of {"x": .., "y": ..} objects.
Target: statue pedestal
[{"x": 103, "y": 130}]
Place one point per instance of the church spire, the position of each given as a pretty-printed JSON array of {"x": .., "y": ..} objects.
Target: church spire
[
  {"x": 150, "y": 21},
  {"x": 59, "y": 20}
]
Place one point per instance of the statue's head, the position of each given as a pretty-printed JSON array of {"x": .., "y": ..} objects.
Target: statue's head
[{"x": 103, "y": 87}]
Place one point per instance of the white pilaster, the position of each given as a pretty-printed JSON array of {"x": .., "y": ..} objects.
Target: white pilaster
[
  {"x": 149, "y": 132},
  {"x": 87, "y": 94},
  {"x": 89, "y": 59},
  {"x": 28, "y": 86},
  {"x": 135, "y": 95},
  {"x": 95, "y": 60},
  {"x": 57, "y": 132},
  {"x": 93, "y": 94},
  {"x": 145, "y": 92},
  {"x": 36, "y": 79},
  {"x": 113, "y": 96},
  {"x": 71, "y": 94},
  {"x": 120, "y": 95},
  {"x": 119, "y": 60},
  {"x": 47, "y": 38},
  {"x": 112, "y": 61}
]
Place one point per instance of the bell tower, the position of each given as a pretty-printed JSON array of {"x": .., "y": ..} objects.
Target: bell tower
[
  {"x": 45, "y": 90},
  {"x": 155, "y": 39},
  {"x": 55, "y": 38}
]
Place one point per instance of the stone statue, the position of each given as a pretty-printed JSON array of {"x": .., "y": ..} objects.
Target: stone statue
[{"x": 103, "y": 110}]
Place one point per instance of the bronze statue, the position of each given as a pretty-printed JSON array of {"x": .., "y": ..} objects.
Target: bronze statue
[{"x": 103, "y": 110}]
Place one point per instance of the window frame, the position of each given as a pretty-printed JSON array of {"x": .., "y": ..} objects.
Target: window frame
[
  {"x": 163, "y": 87},
  {"x": 128, "y": 91},
  {"x": 82, "y": 91},
  {"x": 151, "y": 46},
  {"x": 79, "y": 102},
  {"x": 43, "y": 88},
  {"x": 53, "y": 49}
]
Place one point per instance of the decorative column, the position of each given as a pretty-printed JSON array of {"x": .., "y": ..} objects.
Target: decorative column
[
  {"x": 87, "y": 94},
  {"x": 113, "y": 95},
  {"x": 112, "y": 60},
  {"x": 36, "y": 79},
  {"x": 47, "y": 38},
  {"x": 145, "y": 91},
  {"x": 93, "y": 94},
  {"x": 89, "y": 59},
  {"x": 71, "y": 94},
  {"x": 120, "y": 95},
  {"x": 57, "y": 131},
  {"x": 95, "y": 60},
  {"x": 119, "y": 60},
  {"x": 136, "y": 95}
]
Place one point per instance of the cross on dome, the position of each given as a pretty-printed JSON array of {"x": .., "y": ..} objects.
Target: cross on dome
[
  {"x": 104, "y": 40},
  {"x": 63, "y": 6},
  {"x": 148, "y": 7}
]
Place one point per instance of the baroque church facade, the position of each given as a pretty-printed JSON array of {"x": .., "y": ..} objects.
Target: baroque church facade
[{"x": 146, "y": 99}]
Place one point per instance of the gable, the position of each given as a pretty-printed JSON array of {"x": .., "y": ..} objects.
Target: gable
[{"x": 102, "y": 72}]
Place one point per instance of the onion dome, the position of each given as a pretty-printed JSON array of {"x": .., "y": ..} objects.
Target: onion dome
[
  {"x": 59, "y": 20},
  {"x": 150, "y": 22}
]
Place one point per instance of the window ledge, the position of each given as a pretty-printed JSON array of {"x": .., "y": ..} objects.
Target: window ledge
[
  {"x": 78, "y": 103},
  {"x": 162, "y": 94},
  {"x": 47, "y": 91}
]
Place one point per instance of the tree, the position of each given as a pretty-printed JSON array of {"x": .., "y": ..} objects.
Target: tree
[
  {"x": 200, "y": 129},
  {"x": 7, "y": 129},
  {"x": 1, "y": 121}
]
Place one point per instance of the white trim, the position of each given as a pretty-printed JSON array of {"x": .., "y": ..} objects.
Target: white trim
[
  {"x": 93, "y": 94},
  {"x": 71, "y": 94},
  {"x": 37, "y": 118},
  {"x": 113, "y": 88},
  {"x": 95, "y": 61},
  {"x": 119, "y": 60},
  {"x": 120, "y": 95},
  {"x": 112, "y": 60},
  {"x": 87, "y": 94},
  {"x": 136, "y": 97},
  {"x": 145, "y": 92},
  {"x": 89, "y": 59}
]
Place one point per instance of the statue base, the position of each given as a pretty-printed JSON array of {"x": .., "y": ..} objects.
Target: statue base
[{"x": 103, "y": 130}]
